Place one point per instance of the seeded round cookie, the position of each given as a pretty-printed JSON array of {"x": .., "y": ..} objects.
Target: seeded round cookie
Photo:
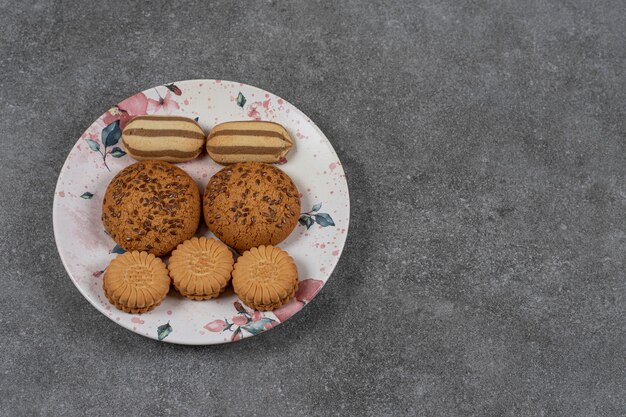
[
  {"x": 200, "y": 268},
  {"x": 151, "y": 206},
  {"x": 251, "y": 204},
  {"x": 265, "y": 278},
  {"x": 136, "y": 282}
]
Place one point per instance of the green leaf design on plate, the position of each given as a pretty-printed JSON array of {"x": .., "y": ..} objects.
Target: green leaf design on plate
[
  {"x": 197, "y": 118},
  {"x": 164, "y": 330},
  {"x": 241, "y": 99},
  {"x": 95, "y": 146},
  {"x": 259, "y": 326},
  {"x": 111, "y": 134},
  {"x": 306, "y": 220},
  {"x": 317, "y": 207},
  {"x": 324, "y": 219},
  {"x": 118, "y": 249},
  {"x": 237, "y": 335},
  {"x": 117, "y": 152},
  {"x": 86, "y": 195}
]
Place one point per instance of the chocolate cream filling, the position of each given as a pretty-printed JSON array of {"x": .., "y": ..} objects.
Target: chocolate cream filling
[
  {"x": 153, "y": 133},
  {"x": 243, "y": 150},
  {"x": 166, "y": 118},
  {"x": 230, "y": 132},
  {"x": 174, "y": 153}
]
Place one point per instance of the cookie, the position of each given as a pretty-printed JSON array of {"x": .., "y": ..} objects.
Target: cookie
[
  {"x": 248, "y": 141},
  {"x": 265, "y": 278},
  {"x": 136, "y": 282},
  {"x": 251, "y": 204},
  {"x": 151, "y": 206},
  {"x": 200, "y": 268},
  {"x": 163, "y": 138}
]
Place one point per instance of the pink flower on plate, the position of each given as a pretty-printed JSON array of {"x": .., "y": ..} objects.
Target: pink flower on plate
[
  {"x": 255, "y": 109},
  {"x": 239, "y": 320},
  {"x": 288, "y": 310},
  {"x": 237, "y": 335},
  {"x": 164, "y": 105},
  {"x": 115, "y": 113},
  {"x": 216, "y": 326},
  {"x": 136, "y": 105},
  {"x": 253, "y": 112},
  {"x": 256, "y": 316},
  {"x": 307, "y": 289}
]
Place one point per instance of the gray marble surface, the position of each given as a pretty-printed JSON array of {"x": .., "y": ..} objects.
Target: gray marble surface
[{"x": 484, "y": 147}]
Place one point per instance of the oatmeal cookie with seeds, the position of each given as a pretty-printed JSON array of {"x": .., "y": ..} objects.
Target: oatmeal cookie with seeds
[
  {"x": 251, "y": 204},
  {"x": 151, "y": 206}
]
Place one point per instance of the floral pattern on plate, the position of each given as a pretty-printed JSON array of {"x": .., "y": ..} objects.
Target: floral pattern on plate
[{"x": 98, "y": 155}]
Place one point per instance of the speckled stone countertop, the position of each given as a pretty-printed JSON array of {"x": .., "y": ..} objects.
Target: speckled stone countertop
[{"x": 484, "y": 144}]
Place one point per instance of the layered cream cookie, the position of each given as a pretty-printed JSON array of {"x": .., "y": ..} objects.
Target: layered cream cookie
[
  {"x": 164, "y": 138},
  {"x": 248, "y": 141},
  {"x": 136, "y": 282},
  {"x": 265, "y": 278},
  {"x": 200, "y": 268}
]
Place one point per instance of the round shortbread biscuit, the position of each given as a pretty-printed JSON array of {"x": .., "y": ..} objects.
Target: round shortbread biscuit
[
  {"x": 200, "y": 268},
  {"x": 136, "y": 282},
  {"x": 265, "y": 278}
]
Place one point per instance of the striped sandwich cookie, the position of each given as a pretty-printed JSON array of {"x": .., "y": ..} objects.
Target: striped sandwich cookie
[
  {"x": 165, "y": 138},
  {"x": 248, "y": 141}
]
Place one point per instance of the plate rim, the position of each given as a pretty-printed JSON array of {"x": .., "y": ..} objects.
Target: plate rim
[{"x": 55, "y": 219}]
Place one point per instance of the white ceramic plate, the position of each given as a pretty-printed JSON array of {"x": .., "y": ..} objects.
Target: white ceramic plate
[{"x": 316, "y": 243}]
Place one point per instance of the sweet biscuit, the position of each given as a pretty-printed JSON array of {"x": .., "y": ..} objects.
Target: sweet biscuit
[
  {"x": 200, "y": 268},
  {"x": 151, "y": 206},
  {"x": 136, "y": 282},
  {"x": 163, "y": 138},
  {"x": 265, "y": 278},
  {"x": 251, "y": 204},
  {"x": 248, "y": 141}
]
